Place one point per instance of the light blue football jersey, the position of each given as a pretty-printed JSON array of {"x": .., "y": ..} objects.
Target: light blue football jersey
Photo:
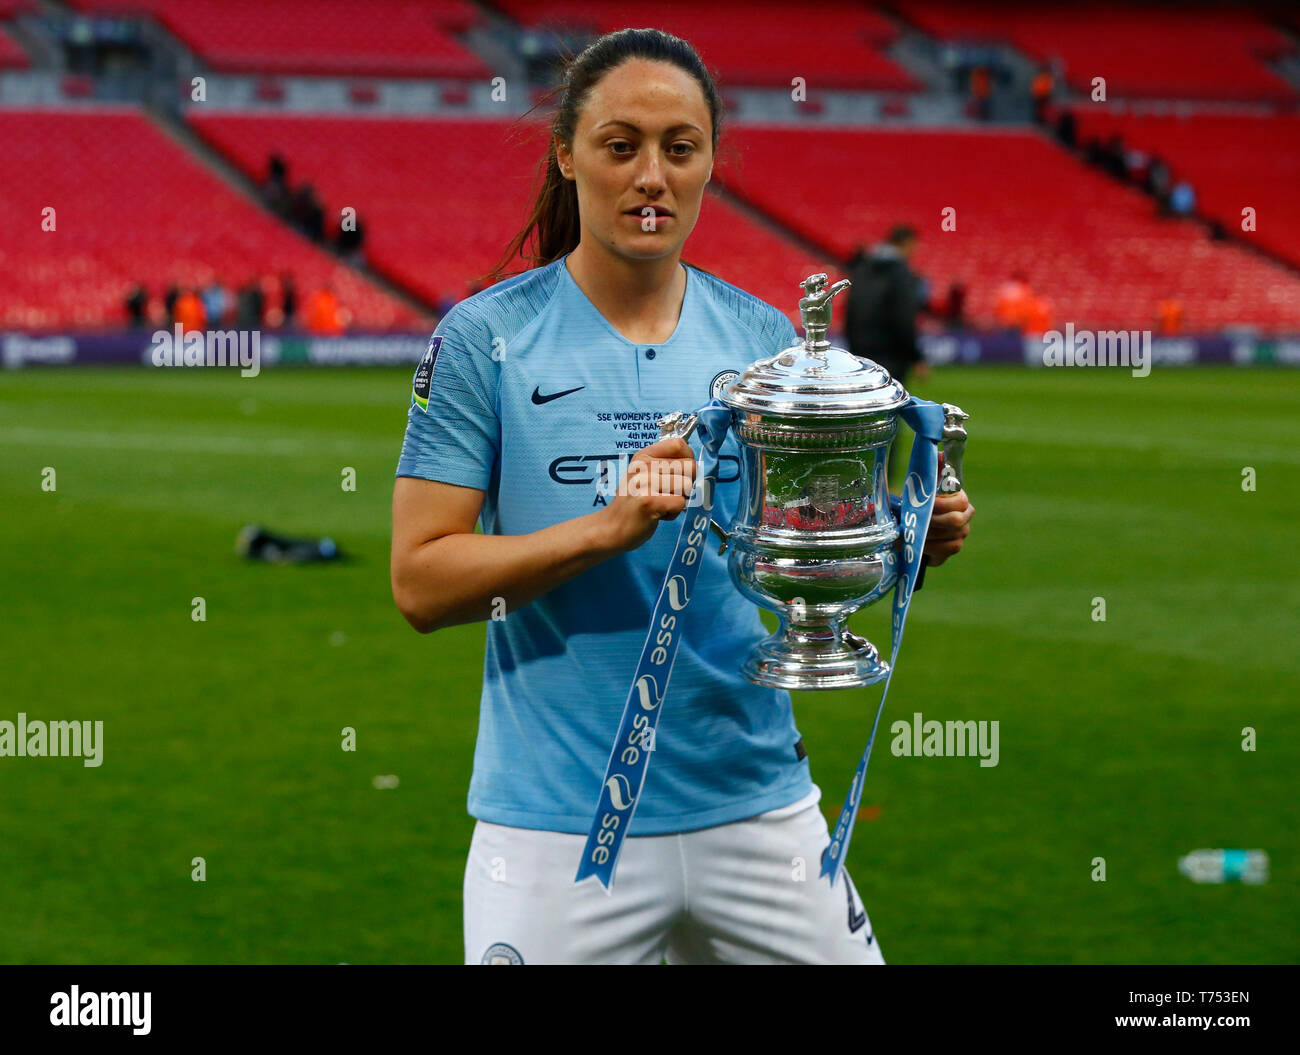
[{"x": 529, "y": 394}]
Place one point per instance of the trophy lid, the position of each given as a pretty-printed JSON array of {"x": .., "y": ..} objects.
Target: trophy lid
[{"x": 814, "y": 378}]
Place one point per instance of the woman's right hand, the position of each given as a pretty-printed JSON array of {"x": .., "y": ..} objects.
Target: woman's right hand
[{"x": 657, "y": 485}]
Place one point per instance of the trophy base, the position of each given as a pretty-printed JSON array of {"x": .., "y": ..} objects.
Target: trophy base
[{"x": 796, "y": 659}]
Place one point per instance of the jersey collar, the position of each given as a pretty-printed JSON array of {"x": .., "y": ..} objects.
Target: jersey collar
[{"x": 576, "y": 293}]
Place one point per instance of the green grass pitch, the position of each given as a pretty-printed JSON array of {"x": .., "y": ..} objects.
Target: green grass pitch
[{"x": 1118, "y": 739}]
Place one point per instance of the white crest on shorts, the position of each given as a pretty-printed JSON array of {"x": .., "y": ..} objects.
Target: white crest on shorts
[{"x": 501, "y": 953}]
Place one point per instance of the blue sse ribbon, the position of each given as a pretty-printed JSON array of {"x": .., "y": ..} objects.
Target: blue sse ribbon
[
  {"x": 630, "y": 756},
  {"x": 917, "y": 502}
]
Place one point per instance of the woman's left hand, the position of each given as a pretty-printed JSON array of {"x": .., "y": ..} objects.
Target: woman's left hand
[{"x": 949, "y": 526}]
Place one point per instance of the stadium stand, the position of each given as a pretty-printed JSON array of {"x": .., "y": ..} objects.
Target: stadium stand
[
  {"x": 388, "y": 38},
  {"x": 11, "y": 55},
  {"x": 130, "y": 205},
  {"x": 1143, "y": 51},
  {"x": 1219, "y": 154},
  {"x": 440, "y": 198},
  {"x": 435, "y": 216},
  {"x": 755, "y": 42},
  {"x": 1022, "y": 203}
]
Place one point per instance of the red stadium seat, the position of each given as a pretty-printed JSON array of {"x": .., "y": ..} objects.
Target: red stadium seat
[
  {"x": 754, "y": 42},
  {"x": 1171, "y": 52},
  {"x": 77, "y": 86},
  {"x": 11, "y": 55},
  {"x": 269, "y": 90},
  {"x": 383, "y": 38},
  {"x": 1096, "y": 249},
  {"x": 1222, "y": 155},
  {"x": 130, "y": 205},
  {"x": 442, "y": 199}
]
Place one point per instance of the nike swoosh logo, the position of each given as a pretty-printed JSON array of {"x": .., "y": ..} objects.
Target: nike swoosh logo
[
  {"x": 856, "y": 918},
  {"x": 539, "y": 399}
]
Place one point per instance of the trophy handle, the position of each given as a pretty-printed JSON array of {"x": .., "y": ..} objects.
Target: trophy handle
[
  {"x": 954, "y": 448},
  {"x": 678, "y": 423},
  {"x": 722, "y": 533}
]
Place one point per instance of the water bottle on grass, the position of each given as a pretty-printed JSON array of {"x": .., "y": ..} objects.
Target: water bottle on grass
[{"x": 1225, "y": 866}]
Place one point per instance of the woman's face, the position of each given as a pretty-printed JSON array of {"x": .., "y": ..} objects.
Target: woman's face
[{"x": 643, "y": 138}]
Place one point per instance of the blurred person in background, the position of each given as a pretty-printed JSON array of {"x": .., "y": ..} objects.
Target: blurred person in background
[
  {"x": 953, "y": 310},
  {"x": 1018, "y": 307},
  {"x": 169, "y": 303},
  {"x": 307, "y": 213},
  {"x": 137, "y": 305},
  {"x": 1014, "y": 297},
  {"x": 1067, "y": 129},
  {"x": 350, "y": 241},
  {"x": 923, "y": 292},
  {"x": 1182, "y": 199},
  {"x": 884, "y": 299},
  {"x": 189, "y": 312},
  {"x": 275, "y": 191},
  {"x": 272, "y": 300},
  {"x": 277, "y": 170},
  {"x": 1169, "y": 316},
  {"x": 215, "y": 302},
  {"x": 250, "y": 305},
  {"x": 1038, "y": 316},
  {"x": 981, "y": 92},
  {"x": 323, "y": 315},
  {"x": 1137, "y": 164},
  {"x": 1159, "y": 183},
  {"x": 288, "y": 300},
  {"x": 1040, "y": 91},
  {"x": 1113, "y": 158}
]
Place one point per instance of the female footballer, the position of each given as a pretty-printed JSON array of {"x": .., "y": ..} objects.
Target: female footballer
[{"x": 533, "y": 397}]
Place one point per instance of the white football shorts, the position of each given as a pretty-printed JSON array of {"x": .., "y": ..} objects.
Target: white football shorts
[{"x": 745, "y": 892}]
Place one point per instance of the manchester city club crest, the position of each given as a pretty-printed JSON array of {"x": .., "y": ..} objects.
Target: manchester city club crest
[
  {"x": 721, "y": 381},
  {"x": 502, "y": 953}
]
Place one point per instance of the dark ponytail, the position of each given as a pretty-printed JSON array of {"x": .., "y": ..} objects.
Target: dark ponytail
[{"x": 553, "y": 224}]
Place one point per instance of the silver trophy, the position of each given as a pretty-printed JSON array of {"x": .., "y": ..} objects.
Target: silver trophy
[{"x": 813, "y": 537}]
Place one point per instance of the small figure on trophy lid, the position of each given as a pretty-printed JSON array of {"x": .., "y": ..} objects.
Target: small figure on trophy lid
[{"x": 815, "y": 309}]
